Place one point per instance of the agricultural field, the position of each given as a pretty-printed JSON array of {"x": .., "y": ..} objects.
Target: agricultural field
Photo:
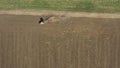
[
  {"x": 75, "y": 42},
  {"x": 72, "y": 40},
  {"x": 104, "y": 6}
]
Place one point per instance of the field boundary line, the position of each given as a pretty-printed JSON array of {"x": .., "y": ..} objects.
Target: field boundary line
[{"x": 65, "y": 13}]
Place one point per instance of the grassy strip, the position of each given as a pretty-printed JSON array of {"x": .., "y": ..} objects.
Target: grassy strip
[{"x": 67, "y": 5}]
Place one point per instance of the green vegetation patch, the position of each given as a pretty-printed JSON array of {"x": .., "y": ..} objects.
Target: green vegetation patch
[{"x": 63, "y": 5}]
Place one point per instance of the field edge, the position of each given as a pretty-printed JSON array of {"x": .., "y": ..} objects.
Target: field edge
[{"x": 65, "y": 13}]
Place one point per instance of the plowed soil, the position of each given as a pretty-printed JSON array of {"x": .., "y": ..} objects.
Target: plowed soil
[{"x": 75, "y": 42}]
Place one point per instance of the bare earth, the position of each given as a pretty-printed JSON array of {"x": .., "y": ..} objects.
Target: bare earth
[
  {"x": 81, "y": 40},
  {"x": 68, "y": 14}
]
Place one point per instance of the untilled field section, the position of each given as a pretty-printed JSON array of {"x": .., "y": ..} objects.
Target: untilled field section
[{"x": 72, "y": 43}]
